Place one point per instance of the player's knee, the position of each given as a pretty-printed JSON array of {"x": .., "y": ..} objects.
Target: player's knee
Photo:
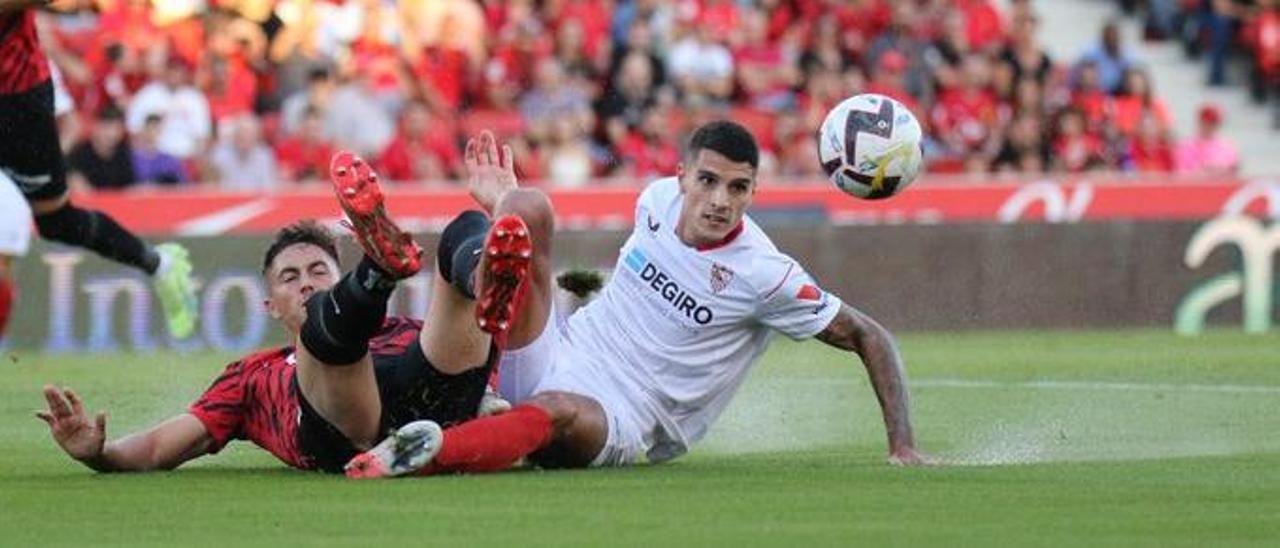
[
  {"x": 572, "y": 414},
  {"x": 561, "y": 406},
  {"x": 464, "y": 231},
  {"x": 321, "y": 341},
  {"x": 42, "y": 206},
  {"x": 534, "y": 207},
  {"x": 579, "y": 430},
  {"x": 63, "y": 224}
]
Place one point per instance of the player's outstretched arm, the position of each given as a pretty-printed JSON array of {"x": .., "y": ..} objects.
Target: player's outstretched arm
[
  {"x": 161, "y": 447},
  {"x": 490, "y": 174},
  {"x": 856, "y": 332}
]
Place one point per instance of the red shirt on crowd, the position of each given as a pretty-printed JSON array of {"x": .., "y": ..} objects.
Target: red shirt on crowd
[
  {"x": 303, "y": 158},
  {"x": 649, "y": 158},
  {"x": 1151, "y": 157},
  {"x": 1077, "y": 153},
  {"x": 399, "y": 160},
  {"x": 1094, "y": 104},
  {"x": 1127, "y": 113},
  {"x": 444, "y": 72},
  {"x": 968, "y": 114}
]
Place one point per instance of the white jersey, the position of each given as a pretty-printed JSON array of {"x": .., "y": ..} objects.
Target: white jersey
[
  {"x": 15, "y": 219},
  {"x": 679, "y": 327}
]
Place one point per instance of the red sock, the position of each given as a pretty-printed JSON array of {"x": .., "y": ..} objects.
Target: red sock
[
  {"x": 488, "y": 444},
  {"x": 6, "y": 302}
]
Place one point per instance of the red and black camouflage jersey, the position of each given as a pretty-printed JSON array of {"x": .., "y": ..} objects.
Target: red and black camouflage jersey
[
  {"x": 257, "y": 399},
  {"x": 22, "y": 62}
]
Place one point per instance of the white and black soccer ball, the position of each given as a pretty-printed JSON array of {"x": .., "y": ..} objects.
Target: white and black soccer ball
[{"x": 870, "y": 146}]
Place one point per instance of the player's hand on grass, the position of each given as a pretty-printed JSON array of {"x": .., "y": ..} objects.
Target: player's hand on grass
[
  {"x": 908, "y": 456},
  {"x": 489, "y": 174},
  {"x": 79, "y": 436}
]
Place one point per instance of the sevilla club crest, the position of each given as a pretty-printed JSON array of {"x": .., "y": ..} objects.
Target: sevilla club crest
[{"x": 720, "y": 277}]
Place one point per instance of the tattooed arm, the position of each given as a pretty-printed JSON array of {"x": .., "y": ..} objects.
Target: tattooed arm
[{"x": 854, "y": 331}]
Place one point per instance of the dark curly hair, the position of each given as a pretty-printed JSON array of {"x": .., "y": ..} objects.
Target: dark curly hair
[
  {"x": 728, "y": 138},
  {"x": 306, "y": 231}
]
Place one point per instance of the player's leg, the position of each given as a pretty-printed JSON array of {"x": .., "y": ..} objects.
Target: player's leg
[
  {"x": 451, "y": 340},
  {"x": 335, "y": 372},
  {"x": 528, "y": 323},
  {"x": 30, "y": 154},
  {"x": 499, "y": 194},
  {"x": 15, "y": 238},
  {"x": 553, "y": 429}
]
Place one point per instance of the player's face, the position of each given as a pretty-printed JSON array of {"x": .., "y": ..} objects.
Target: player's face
[
  {"x": 717, "y": 192},
  {"x": 297, "y": 272}
]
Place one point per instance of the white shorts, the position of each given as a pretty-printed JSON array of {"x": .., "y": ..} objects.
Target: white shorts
[
  {"x": 551, "y": 364},
  {"x": 15, "y": 219}
]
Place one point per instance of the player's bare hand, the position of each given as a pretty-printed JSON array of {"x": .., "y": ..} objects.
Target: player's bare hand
[
  {"x": 79, "y": 436},
  {"x": 908, "y": 456},
  {"x": 489, "y": 174}
]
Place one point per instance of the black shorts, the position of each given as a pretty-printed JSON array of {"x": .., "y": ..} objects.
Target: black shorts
[
  {"x": 411, "y": 389},
  {"x": 29, "y": 150}
]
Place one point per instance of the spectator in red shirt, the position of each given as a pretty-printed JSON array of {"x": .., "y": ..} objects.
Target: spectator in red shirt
[
  {"x": 441, "y": 75},
  {"x": 766, "y": 73},
  {"x": 797, "y": 155},
  {"x": 1150, "y": 150},
  {"x": 128, "y": 21},
  {"x": 1075, "y": 149},
  {"x": 120, "y": 75},
  {"x": 1088, "y": 96},
  {"x": 424, "y": 148},
  {"x": 227, "y": 77},
  {"x": 1135, "y": 102},
  {"x": 983, "y": 23},
  {"x": 964, "y": 117},
  {"x": 651, "y": 149},
  {"x": 303, "y": 157},
  {"x": 860, "y": 22},
  {"x": 522, "y": 44},
  {"x": 593, "y": 18}
]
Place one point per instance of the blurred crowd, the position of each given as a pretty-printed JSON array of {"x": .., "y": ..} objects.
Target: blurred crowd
[
  {"x": 1221, "y": 31},
  {"x": 257, "y": 94}
]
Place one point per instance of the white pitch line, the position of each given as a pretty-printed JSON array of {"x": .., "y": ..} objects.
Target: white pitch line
[
  {"x": 219, "y": 222},
  {"x": 1066, "y": 385},
  {"x": 1098, "y": 385}
]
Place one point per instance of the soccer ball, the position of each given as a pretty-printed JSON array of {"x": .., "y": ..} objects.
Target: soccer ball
[{"x": 870, "y": 146}]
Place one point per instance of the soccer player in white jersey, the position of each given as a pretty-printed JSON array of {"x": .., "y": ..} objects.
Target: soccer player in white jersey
[{"x": 642, "y": 371}]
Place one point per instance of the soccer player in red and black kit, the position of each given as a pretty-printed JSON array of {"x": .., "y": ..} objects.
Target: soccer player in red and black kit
[
  {"x": 354, "y": 374},
  {"x": 30, "y": 155}
]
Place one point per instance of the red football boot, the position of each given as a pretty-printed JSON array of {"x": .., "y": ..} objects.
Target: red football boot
[
  {"x": 508, "y": 253},
  {"x": 356, "y": 186}
]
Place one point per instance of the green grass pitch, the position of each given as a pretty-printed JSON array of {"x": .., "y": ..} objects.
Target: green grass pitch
[{"x": 1125, "y": 438}]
